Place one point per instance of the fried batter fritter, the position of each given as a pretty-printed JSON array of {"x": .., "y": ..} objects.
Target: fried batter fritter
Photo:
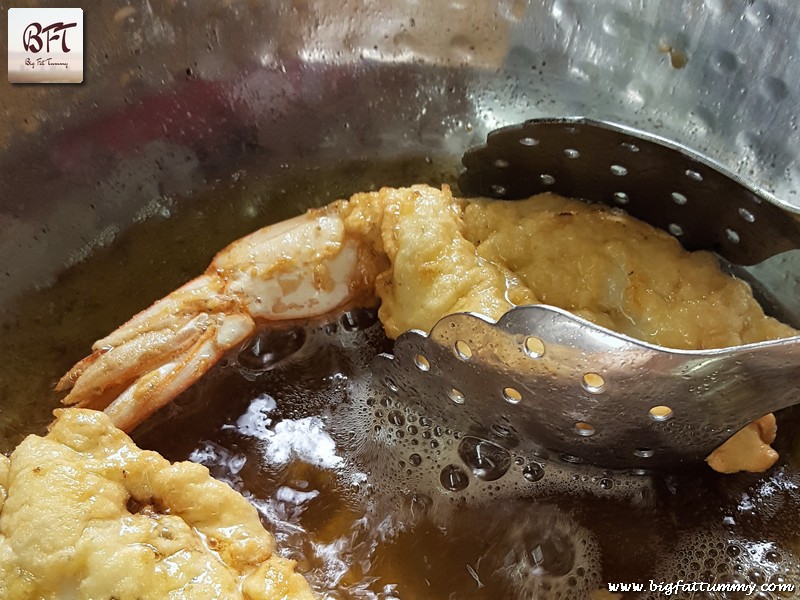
[{"x": 84, "y": 513}]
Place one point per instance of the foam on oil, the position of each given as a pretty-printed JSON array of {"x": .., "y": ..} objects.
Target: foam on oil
[{"x": 376, "y": 501}]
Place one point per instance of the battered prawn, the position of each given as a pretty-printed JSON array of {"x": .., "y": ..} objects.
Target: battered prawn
[
  {"x": 319, "y": 263},
  {"x": 423, "y": 254}
]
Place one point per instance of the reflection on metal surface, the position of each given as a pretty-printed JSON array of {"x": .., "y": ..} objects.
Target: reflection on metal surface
[{"x": 177, "y": 95}]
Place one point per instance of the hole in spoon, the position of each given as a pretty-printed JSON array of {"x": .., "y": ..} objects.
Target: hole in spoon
[
  {"x": 512, "y": 395},
  {"x": 747, "y": 215},
  {"x": 679, "y": 198},
  {"x": 463, "y": 351},
  {"x": 534, "y": 347},
  {"x": 619, "y": 170},
  {"x": 661, "y": 413},
  {"x": 457, "y": 396},
  {"x": 593, "y": 383},
  {"x": 422, "y": 363}
]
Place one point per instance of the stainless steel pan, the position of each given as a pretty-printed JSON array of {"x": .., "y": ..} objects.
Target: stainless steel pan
[{"x": 189, "y": 107}]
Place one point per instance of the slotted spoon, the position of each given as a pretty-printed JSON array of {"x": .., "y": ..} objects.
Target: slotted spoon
[{"x": 544, "y": 379}]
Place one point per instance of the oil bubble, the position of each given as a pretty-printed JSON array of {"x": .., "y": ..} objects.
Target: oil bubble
[
  {"x": 453, "y": 478},
  {"x": 396, "y": 418},
  {"x": 533, "y": 472},
  {"x": 486, "y": 460},
  {"x": 269, "y": 348}
]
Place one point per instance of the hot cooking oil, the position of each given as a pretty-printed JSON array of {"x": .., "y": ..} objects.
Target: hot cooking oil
[{"x": 372, "y": 499}]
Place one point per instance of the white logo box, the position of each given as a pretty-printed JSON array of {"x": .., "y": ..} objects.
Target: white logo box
[{"x": 45, "y": 45}]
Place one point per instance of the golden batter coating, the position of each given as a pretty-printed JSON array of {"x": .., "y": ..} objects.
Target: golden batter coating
[
  {"x": 449, "y": 255},
  {"x": 84, "y": 513},
  {"x": 433, "y": 268},
  {"x": 602, "y": 264}
]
